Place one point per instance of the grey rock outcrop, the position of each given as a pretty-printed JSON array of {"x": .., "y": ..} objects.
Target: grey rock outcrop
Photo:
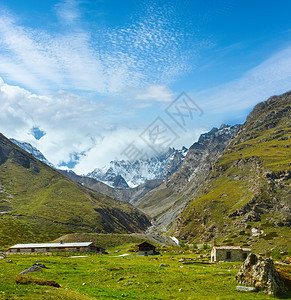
[
  {"x": 119, "y": 182},
  {"x": 261, "y": 274},
  {"x": 246, "y": 288},
  {"x": 32, "y": 150},
  {"x": 16, "y": 155},
  {"x": 34, "y": 268}
]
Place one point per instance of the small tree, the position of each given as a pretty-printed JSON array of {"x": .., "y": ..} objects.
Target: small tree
[{"x": 206, "y": 247}]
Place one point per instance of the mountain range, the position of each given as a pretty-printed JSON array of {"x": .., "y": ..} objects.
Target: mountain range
[
  {"x": 235, "y": 180},
  {"x": 123, "y": 174}
]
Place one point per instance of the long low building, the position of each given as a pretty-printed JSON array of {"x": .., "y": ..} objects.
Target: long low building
[{"x": 55, "y": 247}]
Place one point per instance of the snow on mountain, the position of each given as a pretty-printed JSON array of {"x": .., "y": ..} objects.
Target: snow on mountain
[
  {"x": 139, "y": 171},
  {"x": 32, "y": 150}
]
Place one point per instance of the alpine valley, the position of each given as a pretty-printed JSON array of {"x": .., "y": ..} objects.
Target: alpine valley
[{"x": 232, "y": 182}]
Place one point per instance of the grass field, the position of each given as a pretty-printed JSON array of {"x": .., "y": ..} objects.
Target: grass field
[{"x": 123, "y": 277}]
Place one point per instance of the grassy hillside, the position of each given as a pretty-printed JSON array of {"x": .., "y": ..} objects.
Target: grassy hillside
[
  {"x": 248, "y": 187},
  {"x": 38, "y": 203}
]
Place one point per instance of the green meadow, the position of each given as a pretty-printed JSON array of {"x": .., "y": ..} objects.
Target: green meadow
[{"x": 113, "y": 276}]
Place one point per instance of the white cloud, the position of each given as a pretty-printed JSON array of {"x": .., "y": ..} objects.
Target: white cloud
[
  {"x": 67, "y": 11},
  {"x": 71, "y": 123},
  {"x": 108, "y": 148},
  {"x": 157, "y": 93},
  {"x": 136, "y": 61}
]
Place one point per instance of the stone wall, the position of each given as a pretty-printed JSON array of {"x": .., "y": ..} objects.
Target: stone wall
[{"x": 148, "y": 252}]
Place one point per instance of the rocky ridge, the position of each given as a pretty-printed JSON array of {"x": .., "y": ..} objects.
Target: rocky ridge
[
  {"x": 169, "y": 199},
  {"x": 248, "y": 186}
]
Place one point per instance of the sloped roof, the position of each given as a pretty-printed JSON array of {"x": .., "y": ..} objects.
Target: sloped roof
[
  {"x": 51, "y": 245},
  {"x": 232, "y": 248},
  {"x": 146, "y": 244}
]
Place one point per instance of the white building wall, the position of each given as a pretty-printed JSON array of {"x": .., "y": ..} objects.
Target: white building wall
[{"x": 221, "y": 255}]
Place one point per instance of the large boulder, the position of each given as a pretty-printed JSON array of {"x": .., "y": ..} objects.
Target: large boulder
[{"x": 261, "y": 274}]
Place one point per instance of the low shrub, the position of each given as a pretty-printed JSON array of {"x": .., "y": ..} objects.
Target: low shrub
[
  {"x": 30, "y": 280},
  {"x": 276, "y": 254},
  {"x": 270, "y": 236}
]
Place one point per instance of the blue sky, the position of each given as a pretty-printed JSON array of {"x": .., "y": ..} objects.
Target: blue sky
[{"x": 82, "y": 80}]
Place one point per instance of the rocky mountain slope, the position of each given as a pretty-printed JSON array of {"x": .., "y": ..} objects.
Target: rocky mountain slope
[
  {"x": 245, "y": 199},
  {"x": 139, "y": 171},
  {"x": 33, "y": 151},
  {"x": 166, "y": 201},
  {"x": 37, "y": 203},
  {"x": 131, "y": 195}
]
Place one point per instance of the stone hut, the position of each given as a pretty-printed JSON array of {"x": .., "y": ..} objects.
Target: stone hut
[
  {"x": 146, "y": 249},
  {"x": 55, "y": 247},
  {"x": 229, "y": 253}
]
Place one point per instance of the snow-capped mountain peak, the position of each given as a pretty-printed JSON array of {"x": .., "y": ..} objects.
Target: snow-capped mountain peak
[{"x": 139, "y": 171}]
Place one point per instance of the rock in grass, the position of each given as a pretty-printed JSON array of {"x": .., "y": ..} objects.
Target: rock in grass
[
  {"x": 246, "y": 288},
  {"x": 261, "y": 274},
  {"x": 162, "y": 266},
  {"x": 121, "y": 278},
  {"x": 34, "y": 268}
]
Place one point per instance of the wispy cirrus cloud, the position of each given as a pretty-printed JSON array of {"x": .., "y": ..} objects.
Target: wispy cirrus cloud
[
  {"x": 270, "y": 77},
  {"x": 149, "y": 50},
  {"x": 68, "y": 11}
]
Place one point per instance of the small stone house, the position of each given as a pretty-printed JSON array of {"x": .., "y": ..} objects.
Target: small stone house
[
  {"x": 55, "y": 247},
  {"x": 229, "y": 253},
  {"x": 146, "y": 249}
]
